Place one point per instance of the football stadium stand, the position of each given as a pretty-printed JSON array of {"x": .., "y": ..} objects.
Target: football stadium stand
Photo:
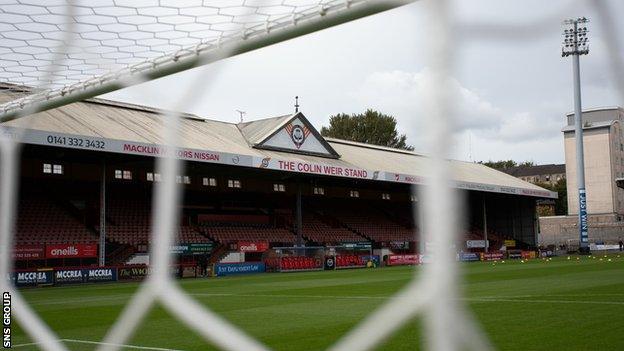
[
  {"x": 234, "y": 232},
  {"x": 246, "y": 183},
  {"x": 371, "y": 223},
  {"x": 41, "y": 221},
  {"x": 343, "y": 261},
  {"x": 318, "y": 231},
  {"x": 130, "y": 223}
]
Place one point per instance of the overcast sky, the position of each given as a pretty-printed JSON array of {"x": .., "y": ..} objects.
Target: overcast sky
[{"x": 513, "y": 94}]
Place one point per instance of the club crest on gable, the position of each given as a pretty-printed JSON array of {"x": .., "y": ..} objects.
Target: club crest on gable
[{"x": 298, "y": 133}]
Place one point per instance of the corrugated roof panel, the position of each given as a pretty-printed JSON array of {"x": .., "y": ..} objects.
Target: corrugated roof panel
[
  {"x": 400, "y": 162},
  {"x": 256, "y": 131},
  {"x": 96, "y": 119}
]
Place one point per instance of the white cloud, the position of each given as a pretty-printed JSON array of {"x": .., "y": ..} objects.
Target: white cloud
[
  {"x": 403, "y": 95},
  {"x": 524, "y": 126}
]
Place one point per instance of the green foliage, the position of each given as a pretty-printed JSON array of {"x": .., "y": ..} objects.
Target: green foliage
[
  {"x": 526, "y": 164},
  {"x": 561, "y": 203},
  {"x": 371, "y": 127},
  {"x": 506, "y": 164}
]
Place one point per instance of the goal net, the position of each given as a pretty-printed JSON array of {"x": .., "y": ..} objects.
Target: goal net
[{"x": 53, "y": 53}]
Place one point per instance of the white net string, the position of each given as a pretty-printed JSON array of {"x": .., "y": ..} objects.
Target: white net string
[
  {"x": 435, "y": 295},
  {"x": 110, "y": 35},
  {"x": 284, "y": 19},
  {"x": 9, "y": 183},
  {"x": 160, "y": 286}
]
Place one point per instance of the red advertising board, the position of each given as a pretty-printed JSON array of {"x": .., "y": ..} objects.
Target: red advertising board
[
  {"x": 492, "y": 256},
  {"x": 397, "y": 260},
  {"x": 28, "y": 252},
  {"x": 71, "y": 251},
  {"x": 528, "y": 254},
  {"x": 253, "y": 246}
]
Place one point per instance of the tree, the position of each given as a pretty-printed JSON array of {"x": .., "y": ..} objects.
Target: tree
[
  {"x": 371, "y": 127},
  {"x": 561, "y": 203},
  {"x": 506, "y": 164},
  {"x": 500, "y": 164},
  {"x": 526, "y": 164}
]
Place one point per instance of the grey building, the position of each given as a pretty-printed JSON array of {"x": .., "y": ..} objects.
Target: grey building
[
  {"x": 549, "y": 174},
  {"x": 603, "y": 139}
]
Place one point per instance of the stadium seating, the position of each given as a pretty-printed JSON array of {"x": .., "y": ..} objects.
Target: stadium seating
[
  {"x": 318, "y": 231},
  {"x": 349, "y": 261},
  {"x": 130, "y": 223},
  {"x": 233, "y": 232},
  {"x": 42, "y": 221},
  {"x": 369, "y": 222},
  {"x": 299, "y": 263},
  {"x": 140, "y": 234},
  {"x": 378, "y": 228}
]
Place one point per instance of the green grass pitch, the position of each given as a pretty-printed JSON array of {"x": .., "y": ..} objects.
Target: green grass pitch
[{"x": 563, "y": 304}]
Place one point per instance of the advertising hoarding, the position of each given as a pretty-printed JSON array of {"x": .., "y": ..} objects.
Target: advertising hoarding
[
  {"x": 29, "y": 252},
  {"x": 71, "y": 251},
  {"x": 398, "y": 260},
  {"x": 222, "y": 269}
]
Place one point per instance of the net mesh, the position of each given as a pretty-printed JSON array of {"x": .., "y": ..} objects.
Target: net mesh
[
  {"x": 71, "y": 51},
  {"x": 96, "y": 38},
  {"x": 67, "y": 48}
]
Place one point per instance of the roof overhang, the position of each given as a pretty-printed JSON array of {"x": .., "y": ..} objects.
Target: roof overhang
[
  {"x": 589, "y": 126},
  {"x": 338, "y": 168}
]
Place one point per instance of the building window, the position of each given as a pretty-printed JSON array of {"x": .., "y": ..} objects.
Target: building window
[
  {"x": 234, "y": 183},
  {"x": 153, "y": 177},
  {"x": 57, "y": 169},
  {"x": 183, "y": 179},
  {"x": 319, "y": 191},
  {"x": 123, "y": 174},
  {"x": 209, "y": 181},
  {"x": 279, "y": 187},
  {"x": 49, "y": 168},
  {"x": 354, "y": 193},
  {"x": 385, "y": 196},
  {"x": 548, "y": 178}
]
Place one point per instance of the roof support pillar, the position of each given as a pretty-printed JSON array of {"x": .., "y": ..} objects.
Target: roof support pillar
[
  {"x": 102, "y": 248},
  {"x": 299, "y": 219},
  {"x": 485, "y": 236}
]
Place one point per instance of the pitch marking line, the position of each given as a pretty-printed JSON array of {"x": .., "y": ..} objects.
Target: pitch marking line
[
  {"x": 27, "y": 344},
  {"x": 127, "y": 297},
  {"x": 136, "y": 347},
  {"x": 544, "y": 301},
  {"x": 475, "y": 299},
  {"x": 353, "y": 297}
]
